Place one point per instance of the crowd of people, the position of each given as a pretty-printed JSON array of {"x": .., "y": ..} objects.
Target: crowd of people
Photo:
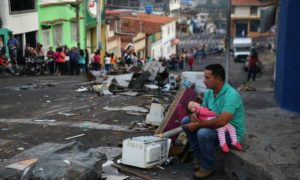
[{"x": 75, "y": 61}]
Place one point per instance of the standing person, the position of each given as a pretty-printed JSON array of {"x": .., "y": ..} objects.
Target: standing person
[
  {"x": 50, "y": 56},
  {"x": 226, "y": 102},
  {"x": 60, "y": 60},
  {"x": 253, "y": 62},
  {"x": 12, "y": 44},
  {"x": 39, "y": 52},
  {"x": 81, "y": 62},
  {"x": 113, "y": 62},
  {"x": 74, "y": 57},
  {"x": 87, "y": 60},
  {"x": 96, "y": 65},
  {"x": 107, "y": 62},
  {"x": 191, "y": 61},
  {"x": 134, "y": 59}
]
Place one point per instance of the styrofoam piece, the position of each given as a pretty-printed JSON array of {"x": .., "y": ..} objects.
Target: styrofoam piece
[{"x": 156, "y": 115}]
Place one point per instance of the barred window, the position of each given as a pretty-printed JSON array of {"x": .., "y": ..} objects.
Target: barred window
[
  {"x": 46, "y": 38},
  {"x": 57, "y": 35},
  {"x": 24, "y": 5},
  {"x": 73, "y": 31}
]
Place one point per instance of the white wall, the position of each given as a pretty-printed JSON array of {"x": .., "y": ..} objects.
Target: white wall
[
  {"x": 244, "y": 11},
  {"x": 174, "y": 5},
  {"x": 167, "y": 49},
  {"x": 156, "y": 50},
  {"x": 18, "y": 23}
]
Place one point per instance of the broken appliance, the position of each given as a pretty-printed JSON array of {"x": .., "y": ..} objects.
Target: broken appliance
[{"x": 145, "y": 151}]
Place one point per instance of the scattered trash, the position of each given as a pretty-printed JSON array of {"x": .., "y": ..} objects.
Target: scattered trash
[
  {"x": 82, "y": 89},
  {"x": 73, "y": 137},
  {"x": 70, "y": 161},
  {"x": 151, "y": 87},
  {"x": 102, "y": 89},
  {"x": 67, "y": 162},
  {"x": 45, "y": 120},
  {"x": 135, "y": 113},
  {"x": 135, "y": 173},
  {"x": 126, "y": 108},
  {"x": 169, "y": 161},
  {"x": 66, "y": 114},
  {"x": 111, "y": 173},
  {"x": 156, "y": 115},
  {"x": 129, "y": 93},
  {"x": 48, "y": 101},
  {"x": 85, "y": 126},
  {"x": 21, "y": 149}
]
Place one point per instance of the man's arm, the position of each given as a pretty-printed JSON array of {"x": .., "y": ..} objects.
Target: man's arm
[{"x": 218, "y": 122}]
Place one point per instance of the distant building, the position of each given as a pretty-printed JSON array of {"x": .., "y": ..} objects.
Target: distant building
[
  {"x": 167, "y": 7},
  {"x": 21, "y": 17},
  {"x": 160, "y": 31},
  {"x": 58, "y": 25},
  {"x": 162, "y": 27},
  {"x": 246, "y": 16}
]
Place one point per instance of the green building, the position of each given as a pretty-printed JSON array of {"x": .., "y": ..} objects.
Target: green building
[{"x": 58, "y": 23}]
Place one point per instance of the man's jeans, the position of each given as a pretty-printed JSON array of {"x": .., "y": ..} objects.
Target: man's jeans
[{"x": 203, "y": 143}]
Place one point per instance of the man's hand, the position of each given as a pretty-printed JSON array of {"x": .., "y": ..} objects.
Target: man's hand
[
  {"x": 192, "y": 126},
  {"x": 194, "y": 118}
]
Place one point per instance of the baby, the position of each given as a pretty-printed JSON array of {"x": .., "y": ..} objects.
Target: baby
[{"x": 205, "y": 114}]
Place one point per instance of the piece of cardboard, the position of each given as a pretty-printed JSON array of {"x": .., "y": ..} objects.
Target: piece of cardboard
[
  {"x": 177, "y": 110},
  {"x": 21, "y": 165}
]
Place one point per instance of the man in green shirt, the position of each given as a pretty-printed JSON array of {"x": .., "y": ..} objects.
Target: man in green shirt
[{"x": 226, "y": 102}]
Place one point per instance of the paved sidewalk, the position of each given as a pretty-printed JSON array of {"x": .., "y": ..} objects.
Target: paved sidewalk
[{"x": 272, "y": 142}]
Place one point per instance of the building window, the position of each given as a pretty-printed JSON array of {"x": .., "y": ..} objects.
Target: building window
[
  {"x": 120, "y": 3},
  {"x": 109, "y": 2},
  {"x": 57, "y": 35},
  {"x": 254, "y": 26},
  {"x": 232, "y": 9},
  {"x": 46, "y": 38},
  {"x": 21, "y": 6},
  {"x": 253, "y": 10},
  {"x": 134, "y": 3},
  {"x": 73, "y": 31}
]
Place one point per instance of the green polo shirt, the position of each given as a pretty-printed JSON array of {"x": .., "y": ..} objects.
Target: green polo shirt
[{"x": 227, "y": 100}]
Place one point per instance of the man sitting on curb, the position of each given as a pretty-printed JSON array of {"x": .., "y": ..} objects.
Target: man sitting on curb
[{"x": 226, "y": 102}]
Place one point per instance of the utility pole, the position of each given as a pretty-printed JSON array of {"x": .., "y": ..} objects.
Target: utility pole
[
  {"x": 227, "y": 64},
  {"x": 98, "y": 29}
]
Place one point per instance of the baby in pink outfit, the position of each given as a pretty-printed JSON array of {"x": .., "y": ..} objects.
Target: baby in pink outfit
[{"x": 205, "y": 114}]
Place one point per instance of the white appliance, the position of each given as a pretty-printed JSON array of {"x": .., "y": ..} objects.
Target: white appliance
[{"x": 145, "y": 151}]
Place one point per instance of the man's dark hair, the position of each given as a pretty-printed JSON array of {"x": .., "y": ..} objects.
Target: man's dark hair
[{"x": 217, "y": 70}]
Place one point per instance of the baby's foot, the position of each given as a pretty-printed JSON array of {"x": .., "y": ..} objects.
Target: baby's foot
[
  {"x": 238, "y": 146},
  {"x": 225, "y": 148}
]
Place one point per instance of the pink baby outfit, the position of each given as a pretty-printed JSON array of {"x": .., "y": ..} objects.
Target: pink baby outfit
[{"x": 205, "y": 114}]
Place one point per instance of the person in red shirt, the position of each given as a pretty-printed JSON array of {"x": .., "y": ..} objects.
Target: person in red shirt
[{"x": 252, "y": 65}]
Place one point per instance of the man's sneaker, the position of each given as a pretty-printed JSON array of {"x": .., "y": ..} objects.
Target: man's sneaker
[
  {"x": 203, "y": 173},
  {"x": 196, "y": 165}
]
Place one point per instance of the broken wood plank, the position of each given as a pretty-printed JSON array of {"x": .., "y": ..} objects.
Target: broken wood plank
[
  {"x": 125, "y": 170},
  {"x": 73, "y": 137}
]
